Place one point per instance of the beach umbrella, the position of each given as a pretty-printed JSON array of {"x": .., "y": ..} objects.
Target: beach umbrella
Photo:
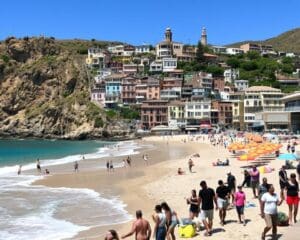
[
  {"x": 287, "y": 156},
  {"x": 246, "y": 157},
  {"x": 264, "y": 169}
]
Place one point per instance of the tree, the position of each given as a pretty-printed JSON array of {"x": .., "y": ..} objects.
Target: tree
[
  {"x": 249, "y": 66},
  {"x": 233, "y": 62},
  {"x": 200, "y": 53},
  {"x": 215, "y": 70},
  {"x": 253, "y": 55}
]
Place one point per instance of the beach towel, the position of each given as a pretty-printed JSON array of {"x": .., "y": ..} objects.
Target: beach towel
[
  {"x": 250, "y": 205},
  {"x": 187, "y": 231}
]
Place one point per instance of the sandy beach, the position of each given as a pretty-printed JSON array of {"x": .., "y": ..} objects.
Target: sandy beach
[{"x": 141, "y": 186}]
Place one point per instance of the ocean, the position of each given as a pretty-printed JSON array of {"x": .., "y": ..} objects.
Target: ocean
[{"x": 34, "y": 212}]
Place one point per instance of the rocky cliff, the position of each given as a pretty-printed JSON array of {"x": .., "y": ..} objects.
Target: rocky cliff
[{"x": 44, "y": 93}]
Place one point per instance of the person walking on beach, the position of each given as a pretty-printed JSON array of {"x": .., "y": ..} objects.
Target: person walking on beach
[
  {"x": 172, "y": 220},
  {"x": 207, "y": 199},
  {"x": 193, "y": 201},
  {"x": 231, "y": 183},
  {"x": 223, "y": 194},
  {"x": 111, "y": 235},
  {"x": 159, "y": 218},
  {"x": 190, "y": 164},
  {"x": 140, "y": 227},
  {"x": 292, "y": 197},
  {"x": 19, "y": 169},
  {"x": 282, "y": 180},
  {"x": 240, "y": 201},
  {"x": 111, "y": 166},
  {"x": 38, "y": 166},
  {"x": 107, "y": 166},
  {"x": 145, "y": 158},
  {"x": 254, "y": 173},
  {"x": 247, "y": 179},
  {"x": 76, "y": 166},
  {"x": 128, "y": 161},
  {"x": 270, "y": 201},
  {"x": 263, "y": 188}
]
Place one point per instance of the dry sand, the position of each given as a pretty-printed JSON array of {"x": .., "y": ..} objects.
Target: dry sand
[{"x": 142, "y": 187}]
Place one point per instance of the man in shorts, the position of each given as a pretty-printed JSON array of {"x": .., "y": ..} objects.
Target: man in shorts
[
  {"x": 222, "y": 200},
  {"x": 207, "y": 198}
]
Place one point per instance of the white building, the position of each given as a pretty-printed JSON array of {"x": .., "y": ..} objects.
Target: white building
[
  {"x": 169, "y": 64},
  {"x": 219, "y": 49},
  {"x": 142, "y": 49},
  {"x": 261, "y": 99},
  {"x": 241, "y": 85},
  {"x": 234, "y": 51},
  {"x": 224, "y": 95},
  {"x": 198, "y": 110},
  {"x": 97, "y": 58},
  {"x": 231, "y": 75},
  {"x": 291, "y": 55},
  {"x": 117, "y": 50},
  {"x": 156, "y": 66}
]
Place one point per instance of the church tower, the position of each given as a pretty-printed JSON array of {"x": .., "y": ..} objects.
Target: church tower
[
  {"x": 168, "y": 35},
  {"x": 203, "y": 37}
]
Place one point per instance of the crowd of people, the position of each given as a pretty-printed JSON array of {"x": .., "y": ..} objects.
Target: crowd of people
[{"x": 226, "y": 196}]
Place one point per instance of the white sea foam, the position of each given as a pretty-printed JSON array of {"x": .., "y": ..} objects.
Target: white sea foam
[
  {"x": 38, "y": 212},
  {"x": 119, "y": 149}
]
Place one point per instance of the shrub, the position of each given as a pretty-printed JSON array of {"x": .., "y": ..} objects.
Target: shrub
[
  {"x": 98, "y": 123},
  {"x": 5, "y": 58}
]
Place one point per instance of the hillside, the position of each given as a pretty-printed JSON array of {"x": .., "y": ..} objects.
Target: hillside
[
  {"x": 44, "y": 91},
  {"x": 288, "y": 41}
]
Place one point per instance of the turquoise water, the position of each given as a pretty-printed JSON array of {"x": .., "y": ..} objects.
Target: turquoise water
[
  {"x": 36, "y": 212},
  {"x": 14, "y": 152}
]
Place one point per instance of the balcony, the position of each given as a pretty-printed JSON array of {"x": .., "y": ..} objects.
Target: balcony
[{"x": 293, "y": 109}]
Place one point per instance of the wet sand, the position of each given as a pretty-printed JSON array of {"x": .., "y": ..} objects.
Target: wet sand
[{"x": 125, "y": 183}]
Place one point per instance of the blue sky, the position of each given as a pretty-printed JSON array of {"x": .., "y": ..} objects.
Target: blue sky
[{"x": 142, "y": 21}]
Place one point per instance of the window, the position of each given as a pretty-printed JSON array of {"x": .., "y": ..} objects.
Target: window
[
  {"x": 247, "y": 103},
  {"x": 205, "y": 106}
]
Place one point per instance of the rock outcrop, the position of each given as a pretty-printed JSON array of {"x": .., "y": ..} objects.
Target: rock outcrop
[{"x": 44, "y": 93}]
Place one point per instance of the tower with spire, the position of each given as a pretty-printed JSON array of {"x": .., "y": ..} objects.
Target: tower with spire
[
  {"x": 168, "y": 35},
  {"x": 203, "y": 37}
]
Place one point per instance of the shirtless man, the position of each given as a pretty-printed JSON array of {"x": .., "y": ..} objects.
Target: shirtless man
[{"x": 140, "y": 227}]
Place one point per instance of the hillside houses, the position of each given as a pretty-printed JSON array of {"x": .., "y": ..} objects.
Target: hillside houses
[{"x": 147, "y": 79}]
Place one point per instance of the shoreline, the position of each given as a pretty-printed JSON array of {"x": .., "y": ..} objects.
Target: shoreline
[{"x": 127, "y": 179}]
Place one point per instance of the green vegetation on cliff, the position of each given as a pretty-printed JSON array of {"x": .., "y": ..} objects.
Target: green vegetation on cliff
[{"x": 45, "y": 91}]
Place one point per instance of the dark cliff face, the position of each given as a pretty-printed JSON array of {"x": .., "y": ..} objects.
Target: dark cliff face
[{"x": 44, "y": 92}]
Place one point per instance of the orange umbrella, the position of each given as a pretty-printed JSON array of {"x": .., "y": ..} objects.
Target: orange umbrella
[{"x": 246, "y": 157}]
